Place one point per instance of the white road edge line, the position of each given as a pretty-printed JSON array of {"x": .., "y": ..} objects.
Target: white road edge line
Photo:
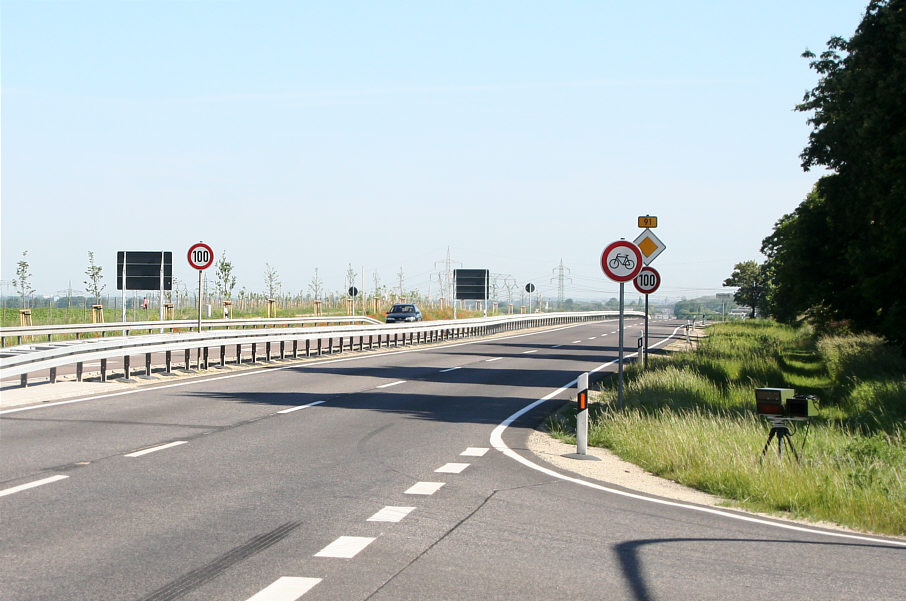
[
  {"x": 21, "y": 487},
  {"x": 497, "y": 443},
  {"x": 291, "y": 409},
  {"x": 397, "y": 383},
  {"x": 285, "y": 588},
  {"x": 157, "y": 448}
]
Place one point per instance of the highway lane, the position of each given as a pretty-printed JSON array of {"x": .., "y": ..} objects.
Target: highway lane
[{"x": 251, "y": 495}]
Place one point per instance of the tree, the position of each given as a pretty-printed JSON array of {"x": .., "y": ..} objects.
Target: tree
[
  {"x": 859, "y": 211},
  {"x": 93, "y": 283},
  {"x": 271, "y": 281},
  {"x": 750, "y": 279},
  {"x": 316, "y": 286},
  {"x": 226, "y": 281},
  {"x": 22, "y": 283}
]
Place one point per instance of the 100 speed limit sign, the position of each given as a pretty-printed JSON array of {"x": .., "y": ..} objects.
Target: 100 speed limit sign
[
  {"x": 647, "y": 281},
  {"x": 200, "y": 256}
]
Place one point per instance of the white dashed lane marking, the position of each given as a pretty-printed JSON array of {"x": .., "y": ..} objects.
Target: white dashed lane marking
[
  {"x": 157, "y": 448},
  {"x": 443, "y": 371},
  {"x": 529, "y": 352},
  {"x": 424, "y": 488},
  {"x": 291, "y": 409},
  {"x": 345, "y": 547},
  {"x": 391, "y": 514},
  {"x": 287, "y": 588},
  {"x": 451, "y": 468},
  {"x": 21, "y": 487},
  {"x": 493, "y": 359},
  {"x": 398, "y": 382},
  {"x": 474, "y": 452}
]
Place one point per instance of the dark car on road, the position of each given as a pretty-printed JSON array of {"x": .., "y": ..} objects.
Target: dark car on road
[{"x": 406, "y": 312}]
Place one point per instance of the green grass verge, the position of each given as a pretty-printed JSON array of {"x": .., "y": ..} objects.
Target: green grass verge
[{"x": 691, "y": 418}]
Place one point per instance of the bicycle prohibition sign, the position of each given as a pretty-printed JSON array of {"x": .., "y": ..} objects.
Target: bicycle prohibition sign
[{"x": 621, "y": 261}]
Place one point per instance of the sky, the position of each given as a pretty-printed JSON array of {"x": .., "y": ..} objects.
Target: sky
[{"x": 381, "y": 135}]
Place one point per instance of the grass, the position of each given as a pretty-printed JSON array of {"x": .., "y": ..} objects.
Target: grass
[{"x": 691, "y": 418}]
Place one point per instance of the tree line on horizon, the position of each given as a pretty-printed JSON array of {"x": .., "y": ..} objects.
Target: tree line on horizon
[{"x": 837, "y": 260}]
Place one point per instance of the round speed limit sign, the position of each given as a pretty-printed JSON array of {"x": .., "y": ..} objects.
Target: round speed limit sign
[
  {"x": 200, "y": 256},
  {"x": 647, "y": 281}
]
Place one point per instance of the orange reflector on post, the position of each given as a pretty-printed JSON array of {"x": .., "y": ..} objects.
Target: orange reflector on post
[{"x": 582, "y": 398}]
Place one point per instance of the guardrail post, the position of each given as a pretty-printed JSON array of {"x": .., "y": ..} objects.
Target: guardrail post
[
  {"x": 267, "y": 352},
  {"x": 295, "y": 349},
  {"x": 206, "y": 364},
  {"x": 222, "y": 355},
  {"x": 254, "y": 353},
  {"x": 319, "y": 347},
  {"x": 308, "y": 348},
  {"x": 282, "y": 350},
  {"x": 168, "y": 362},
  {"x": 238, "y": 354},
  {"x": 188, "y": 359},
  {"x": 147, "y": 364},
  {"x": 126, "y": 367}
]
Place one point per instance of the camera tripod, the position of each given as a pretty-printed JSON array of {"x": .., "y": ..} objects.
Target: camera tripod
[{"x": 780, "y": 428}]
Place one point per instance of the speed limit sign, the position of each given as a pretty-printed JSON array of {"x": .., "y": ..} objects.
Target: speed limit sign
[
  {"x": 647, "y": 281},
  {"x": 200, "y": 256}
]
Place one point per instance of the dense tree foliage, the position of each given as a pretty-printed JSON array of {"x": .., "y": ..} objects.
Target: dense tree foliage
[
  {"x": 749, "y": 277},
  {"x": 842, "y": 252}
]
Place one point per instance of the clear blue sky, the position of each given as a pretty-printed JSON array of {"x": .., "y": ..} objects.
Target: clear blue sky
[{"x": 378, "y": 134}]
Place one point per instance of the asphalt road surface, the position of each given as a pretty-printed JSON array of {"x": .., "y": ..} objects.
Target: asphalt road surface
[{"x": 388, "y": 476}]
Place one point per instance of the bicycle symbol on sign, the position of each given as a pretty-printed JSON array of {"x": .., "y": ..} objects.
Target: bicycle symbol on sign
[{"x": 622, "y": 259}]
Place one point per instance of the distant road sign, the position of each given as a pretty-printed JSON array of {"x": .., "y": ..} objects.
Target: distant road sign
[
  {"x": 621, "y": 261},
  {"x": 353, "y": 291},
  {"x": 200, "y": 256},
  {"x": 650, "y": 246},
  {"x": 470, "y": 284},
  {"x": 143, "y": 270},
  {"x": 647, "y": 221},
  {"x": 647, "y": 281},
  {"x": 529, "y": 287}
]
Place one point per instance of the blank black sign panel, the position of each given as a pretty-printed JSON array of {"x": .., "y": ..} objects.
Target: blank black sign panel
[
  {"x": 470, "y": 284},
  {"x": 143, "y": 270}
]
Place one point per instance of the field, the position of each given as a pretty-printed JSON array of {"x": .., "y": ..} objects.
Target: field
[{"x": 691, "y": 417}]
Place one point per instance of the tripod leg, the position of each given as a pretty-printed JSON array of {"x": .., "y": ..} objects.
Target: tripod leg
[
  {"x": 792, "y": 448},
  {"x": 768, "y": 443}
]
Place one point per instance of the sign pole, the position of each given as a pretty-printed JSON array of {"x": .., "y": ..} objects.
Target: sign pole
[
  {"x": 646, "y": 332},
  {"x": 125, "y": 260},
  {"x": 620, "y": 368},
  {"x": 199, "y": 301}
]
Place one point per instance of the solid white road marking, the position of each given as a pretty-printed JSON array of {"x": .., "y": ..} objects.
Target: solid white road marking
[
  {"x": 291, "y": 409},
  {"x": 21, "y": 487},
  {"x": 452, "y": 468},
  {"x": 424, "y": 488},
  {"x": 443, "y": 371},
  {"x": 345, "y": 547},
  {"x": 576, "y": 341},
  {"x": 157, "y": 448},
  {"x": 494, "y": 359},
  {"x": 529, "y": 352},
  {"x": 398, "y": 382},
  {"x": 286, "y": 588},
  {"x": 474, "y": 452},
  {"x": 391, "y": 514}
]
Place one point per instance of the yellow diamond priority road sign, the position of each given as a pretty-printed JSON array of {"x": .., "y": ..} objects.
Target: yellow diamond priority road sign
[{"x": 650, "y": 246}]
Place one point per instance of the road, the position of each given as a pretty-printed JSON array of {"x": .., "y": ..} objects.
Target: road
[{"x": 383, "y": 476}]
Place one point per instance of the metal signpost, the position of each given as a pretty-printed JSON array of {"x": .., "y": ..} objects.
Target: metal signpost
[
  {"x": 530, "y": 287},
  {"x": 200, "y": 257},
  {"x": 621, "y": 262},
  {"x": 647, "y": 282}
]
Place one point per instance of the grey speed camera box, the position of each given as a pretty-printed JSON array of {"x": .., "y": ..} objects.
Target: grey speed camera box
[{"x": 772, "y": 401}]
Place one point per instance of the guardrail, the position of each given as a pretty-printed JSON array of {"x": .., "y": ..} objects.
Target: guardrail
[
  {"x": 29, "y": 359},
  {"x": 177, "y": 324}
]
